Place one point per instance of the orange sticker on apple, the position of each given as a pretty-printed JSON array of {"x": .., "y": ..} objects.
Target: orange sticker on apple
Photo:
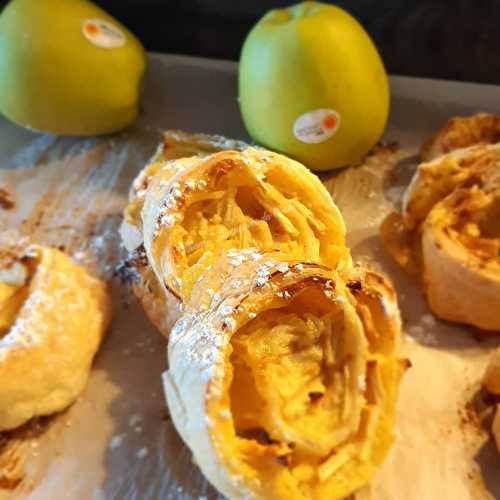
[
  {"x": 103, "y": 33},
  {"x": 316, "y": 126}
]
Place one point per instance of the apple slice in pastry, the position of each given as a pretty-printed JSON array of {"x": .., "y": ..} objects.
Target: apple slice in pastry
[
  {"x": 233, "y": 199},
  {"x": 161, "y": 308},
  {"x": 283, "y": 382}
]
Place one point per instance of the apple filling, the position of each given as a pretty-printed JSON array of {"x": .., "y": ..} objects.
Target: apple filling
[
  {"x": 307, "y": 396},
  {"x": 241, "y": 210},
  {"x": 473, "y": 219}
]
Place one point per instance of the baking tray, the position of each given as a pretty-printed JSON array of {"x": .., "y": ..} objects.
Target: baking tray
[{"x": 117, "y": 441}]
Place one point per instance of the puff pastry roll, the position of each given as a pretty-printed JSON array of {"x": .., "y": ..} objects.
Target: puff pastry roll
[
  {"x": 237, "y": 199},
  {"x": 283, "y": 382},
  {"x": 161, "y": 308},
  {"x": 461, "y": 256},
  {"x": 451, "y": 215},
  {"x": 53, "y": 316}
]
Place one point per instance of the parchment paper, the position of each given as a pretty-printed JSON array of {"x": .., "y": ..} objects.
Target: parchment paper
[{"x": 117, "y": 441}]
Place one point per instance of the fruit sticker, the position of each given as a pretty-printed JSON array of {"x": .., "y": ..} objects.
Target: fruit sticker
[
  {"x": 103, "y": 33},
  {"x": 316, "y": 126}
]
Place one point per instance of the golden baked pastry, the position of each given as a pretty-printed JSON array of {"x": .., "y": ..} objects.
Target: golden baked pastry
[
  {"x": 283, "y": 370},
  {"x": 283, "y": 376},
  {"x": 450, "y": 229},
  {"x": 462, "y": 132},
  {"x": 194, "y": 207},
  {"x": 162, "y": 309},
  {"x": 461, "y": 256},
  {"x": 234, "y": 199},
  {"x": 175, "y": 144},
  {"x": 53, "y": 316}
]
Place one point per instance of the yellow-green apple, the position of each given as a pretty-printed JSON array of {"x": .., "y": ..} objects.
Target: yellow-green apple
[
  {"x": 67, "y": 67},
  {"x": 312, "y": 85}
]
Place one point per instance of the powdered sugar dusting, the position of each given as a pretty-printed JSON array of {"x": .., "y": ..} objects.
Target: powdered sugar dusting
[
  {"x": 116, "y": 441},
  {"x": 30, "y": 328},
  {"x": 389, "y": 307},
  {"x": 422, "y": 335}
]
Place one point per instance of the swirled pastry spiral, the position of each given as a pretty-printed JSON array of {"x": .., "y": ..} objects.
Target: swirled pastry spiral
[
  {"x": 233, "y": 199},
  {"x": 461, "y": 255},
  {"x": 451, "y": 222},
  {"x": 283, "y": 376},
  {"x": 194, "y": 207},
  {"x": 161, "y": 308}
]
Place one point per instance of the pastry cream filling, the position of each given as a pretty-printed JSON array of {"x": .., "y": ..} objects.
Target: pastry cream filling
[
  {"x": 242, "y": 210},
  {"x": 309, "y": 399}
]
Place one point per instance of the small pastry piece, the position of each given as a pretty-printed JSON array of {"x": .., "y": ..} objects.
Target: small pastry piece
[
  {"x": 283, "y": 376},
  {"x": 233, "y": 199},
  {"x": 53, "y": 316},
  {"x": 462, "y": 132}
]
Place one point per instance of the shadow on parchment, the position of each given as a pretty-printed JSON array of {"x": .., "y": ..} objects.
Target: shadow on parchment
[
  {"x": 418, "y": 321},
  {"x": 483, "y": 405},
  {"x": 145, "y": 457},
  {"x": 398, "y": 178}
]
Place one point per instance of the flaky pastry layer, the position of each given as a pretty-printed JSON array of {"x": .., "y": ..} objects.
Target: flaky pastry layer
[{"x": 283, "y": 382}]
